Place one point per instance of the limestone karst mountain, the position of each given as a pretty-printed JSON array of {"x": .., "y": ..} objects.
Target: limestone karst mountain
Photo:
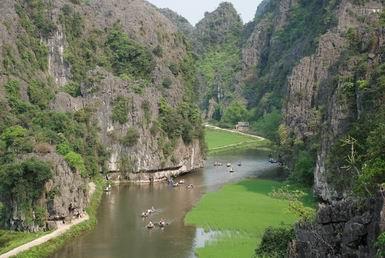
[{"x": 102, "y": 86}]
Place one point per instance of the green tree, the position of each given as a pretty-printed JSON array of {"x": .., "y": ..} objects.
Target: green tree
[{"x": 236, "y": 112}]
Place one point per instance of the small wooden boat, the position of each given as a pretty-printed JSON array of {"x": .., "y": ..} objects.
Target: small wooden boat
[
  {"x": 144, "y": 215},
  {"x": 181, "y": 182},
  {"x": 228, "y": 165},
  {"x": 239, "y": 164},
  {"x": 190, "y": 186},
  {"x": 231, "y": 170},
  {"x": 150, "y": 225},
  {"x": 175, "y": 185},
  {"x": 273, "y": 161}
]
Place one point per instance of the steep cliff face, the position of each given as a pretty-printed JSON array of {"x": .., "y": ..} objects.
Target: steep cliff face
[
  {"x": 313, "y": 100},
  {"x": 89, "y": 88},
  {"x": 320, "y": 62}
]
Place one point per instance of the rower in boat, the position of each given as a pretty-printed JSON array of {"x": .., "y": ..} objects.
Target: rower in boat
[
  {"x": 190, "y": 186},
  {"x": 150, "y": 225},
  {"x": 228, "y": 165},
  {"x": 175, "y": 185},
  {"x": 239, "y": 164},
  {"x": 231, "y": 170},
  {"x": 144, "y": 214},
  {"x": 162, "y": 223},
  {"x": 181, "y": 182}
]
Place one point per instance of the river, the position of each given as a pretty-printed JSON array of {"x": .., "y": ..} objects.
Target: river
[{"x": 122, "y": 233}]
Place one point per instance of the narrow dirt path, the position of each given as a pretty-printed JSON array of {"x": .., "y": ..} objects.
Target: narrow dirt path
[
  {"x": 62, "y": 228},
  {"x": 234, "y": 131}
]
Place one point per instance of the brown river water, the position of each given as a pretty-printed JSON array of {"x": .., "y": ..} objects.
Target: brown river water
[{"x": 122, "y": 233}]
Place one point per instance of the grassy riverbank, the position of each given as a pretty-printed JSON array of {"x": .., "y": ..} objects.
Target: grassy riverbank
[
  {"x": 242, "y": 211},
  {"x": 221, "y": 140},
  {"x": 53, "y": 245},
  {"x": 11, "y": 239}
]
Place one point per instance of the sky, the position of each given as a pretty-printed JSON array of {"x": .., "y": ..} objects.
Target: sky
[{"x": 193, "y": 10}]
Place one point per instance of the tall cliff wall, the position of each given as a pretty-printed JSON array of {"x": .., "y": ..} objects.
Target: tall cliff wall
[{"x": 320, "y": 63}]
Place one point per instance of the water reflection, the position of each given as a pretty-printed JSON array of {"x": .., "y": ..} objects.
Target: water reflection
[{"x": 122, "y": 232}]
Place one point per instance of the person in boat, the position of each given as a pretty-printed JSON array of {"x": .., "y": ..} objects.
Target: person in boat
[
  {"x": 150, "y": 225},
  {"x": 190, "y": 186},
  {"x": 162, "y": 222},
  {"x": 144, "y": 214}
]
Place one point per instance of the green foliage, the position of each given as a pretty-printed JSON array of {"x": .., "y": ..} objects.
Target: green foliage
[
  {"x": 85, "y": 51},
  {"x": 63, "y": 148},
  {"x": 120, "y": 110},
  {"x": 48, "y": 248},
  {"x": 73, "y": 89},
  {"x": 267, "y": 126},
  {"x": 218, "y": 67},
  {"x": 184, "y": 121},
  {"x": 75, "y": 161},
  {"x": 174, "y": 69},
  {"x": 15, "y": 140},
  {"x": 303, "y": 172},
  {"x": 296, "y": 200},
  {"x": 158, "y": 51},
  {"x": 131, "y": 138},
  {"x": 167, "y": 82},
  {"x": 127, "y": 56},
  {"x": 39, "y": 93},
  {"x": 38, "y": 13},
  {"x": 24, "y": 181},
  {"x": 275, "y": 241},
  {"x": 380, "y": 244},
  {"x": 236, "y": 112}
]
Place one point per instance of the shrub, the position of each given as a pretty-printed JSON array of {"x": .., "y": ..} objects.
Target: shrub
[
  {"x": 75, "y": 161},
  {"x": 235, "y": 113},
  {"x": 24, "y": 181},
  {"x": 39, "y": 93},
  {"x": 167, "y": 82},
  {"x": 63, "y": 148},
  {"x": 174, "y": 69},
  {"x": 267, "y": 126},
  {"x": 131, "y": 138},
  {"x": 304, "y": 169},
  {"x": 128, "y": 57},
  {"x": 73, "y": 89},
  {"x": 120, "y": 110},
  {"x": 275, "y": 242},
  {"x": 158, "y": 51}
]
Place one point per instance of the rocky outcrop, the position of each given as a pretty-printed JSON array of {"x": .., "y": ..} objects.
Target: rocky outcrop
[
  {"x": 310, "y": 90},
  {"x": 217, "y": 28},
  {"x": 347, "y": 228},
  {"x": 180, "y": 22}
]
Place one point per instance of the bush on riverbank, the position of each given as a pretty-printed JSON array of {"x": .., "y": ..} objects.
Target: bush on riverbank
[
  {"x": 51, "y": 246},
  {"x": 275, "y": 241}
]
